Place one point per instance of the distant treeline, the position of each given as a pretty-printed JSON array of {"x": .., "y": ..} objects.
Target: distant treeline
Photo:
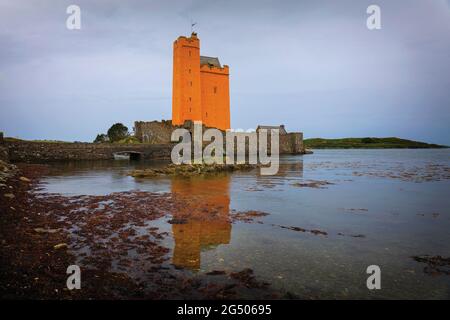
[{"x": 367, "y": 143}]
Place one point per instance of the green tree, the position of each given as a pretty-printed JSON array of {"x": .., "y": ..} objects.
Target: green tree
[
  {"x": 117, "y": 132},
  {"x": 101, "y": 138}
]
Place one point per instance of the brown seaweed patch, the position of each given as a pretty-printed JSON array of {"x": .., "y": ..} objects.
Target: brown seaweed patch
[
  {"x": 355, "y": 210},
  {"x": 425, "y": 173},
  {"x": 113, "y": 238},
  {"x": 298, "y": 229},
  {"x": 433, "y": 215},
  {"x": 318, "y": 184},
  {"x": 247, "y": 278},
  {"x": 247, "y": 216},
  {"x": 436, "y": 265},
  {"x": 352, "y": 235},
  {"x": 177, "y": 221},
  {"x": 191, "y": 170}
]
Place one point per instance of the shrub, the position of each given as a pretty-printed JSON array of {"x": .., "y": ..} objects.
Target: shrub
[
  {"x": 367, "y": 140},
  {"x": 117, "y": 132},
  {"x": 101, "y": 138}
]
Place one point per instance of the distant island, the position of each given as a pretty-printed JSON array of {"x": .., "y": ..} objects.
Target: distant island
[{"x": 368, "y": 143}]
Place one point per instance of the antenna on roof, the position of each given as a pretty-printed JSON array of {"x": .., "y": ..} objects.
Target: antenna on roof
[{"x": 192, "y": 25}]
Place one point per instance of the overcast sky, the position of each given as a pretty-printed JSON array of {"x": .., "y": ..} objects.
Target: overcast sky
[{"x": 311, "y": 65}]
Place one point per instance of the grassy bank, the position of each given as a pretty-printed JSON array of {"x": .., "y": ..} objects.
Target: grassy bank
[
  {"x": 127, "y": 140},
  {"x": 367, "y": 143}
]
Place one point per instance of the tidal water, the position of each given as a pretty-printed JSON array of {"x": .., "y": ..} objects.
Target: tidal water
[{"x": 377, "y": 207}]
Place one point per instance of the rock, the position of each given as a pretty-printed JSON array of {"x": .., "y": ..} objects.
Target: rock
[
  {"x": 436, "y": 265},
  {"x": 42, "y": 230},
  {"x": 216, "y": 273},
  {"x": 314, "y": 231},
  {"x": 9, "y": 195},
  {"x": 191, "y": 169},
  {"x": 357, "y": 236},
  {"x": 60, "y": 246},
  {"x": 177, "y": 221},
  {"x": 247, "y": 216},
  {"x": 24, "y": 179},
  {"x": 312, "y": 184}
]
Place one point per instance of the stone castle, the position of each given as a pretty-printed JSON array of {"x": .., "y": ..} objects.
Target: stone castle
[
  {"x": 200, "y": 88},
  {"x": 200, "y": 92}
]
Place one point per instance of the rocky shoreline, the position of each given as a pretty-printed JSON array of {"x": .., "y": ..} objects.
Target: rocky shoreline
[
  {"x": 191, "y": 170},
  {"x": 7, "y": 171},
  {"x": 42, "y": 234}
]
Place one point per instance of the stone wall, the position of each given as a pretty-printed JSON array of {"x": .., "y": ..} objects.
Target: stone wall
[
  {"x": 160, "y": 132},
  {"x": 26, "y": 151},
  {"x": 292, "y": 143},
  {"x": 153, "y": 132},
  {"x": 157, "y": 147}
]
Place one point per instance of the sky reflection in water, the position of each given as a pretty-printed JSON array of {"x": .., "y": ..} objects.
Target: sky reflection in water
[{"x": 376, "y": 206}]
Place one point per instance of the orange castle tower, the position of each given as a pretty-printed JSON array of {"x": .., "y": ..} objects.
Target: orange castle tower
[{"x": 200, "y": 87}]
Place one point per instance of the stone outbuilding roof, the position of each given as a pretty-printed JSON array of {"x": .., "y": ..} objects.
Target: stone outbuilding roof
[{"x": 210, "y": 61}]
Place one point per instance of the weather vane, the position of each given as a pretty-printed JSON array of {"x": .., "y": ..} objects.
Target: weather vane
[{"x": 192, "y": 25}]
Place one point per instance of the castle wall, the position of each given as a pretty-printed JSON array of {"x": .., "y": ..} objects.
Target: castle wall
[
  {"x": 160, "y": 132},
  {"x": 186, "y": 97},
  {"x": 153, "y": 132},
  {"x": 200, "y": 93},
  {"x": 27, "y": 151},
  {"x": 292, "y": 143},
  {"x": 215, "y": 97}
]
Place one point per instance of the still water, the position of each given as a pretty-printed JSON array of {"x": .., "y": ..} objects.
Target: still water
[{"x": 378, "y": 207}]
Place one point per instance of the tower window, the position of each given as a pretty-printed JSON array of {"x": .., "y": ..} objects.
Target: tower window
[
  {"x": 215, "y": 89},
  {"x": 189, "y": 70},
  {"x": 189, "y": 53},
  {"x": 190, "y": 98},
  {"x": 191, "y": 83}
]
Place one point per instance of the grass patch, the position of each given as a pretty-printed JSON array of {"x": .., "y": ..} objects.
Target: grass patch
[{"x": 368, "y": 143}]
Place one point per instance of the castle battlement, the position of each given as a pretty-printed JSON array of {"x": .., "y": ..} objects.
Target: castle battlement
[
  {"x": 193, "y": 41},
  {"x": 224, "y": 70}
]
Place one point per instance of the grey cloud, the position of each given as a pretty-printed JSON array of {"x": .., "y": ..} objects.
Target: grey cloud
[{"x": 310, "y": 64}]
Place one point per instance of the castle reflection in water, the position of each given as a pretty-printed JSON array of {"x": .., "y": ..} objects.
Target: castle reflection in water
[
  {"x": 199, "y": 231},
  {"x": 206, "y": 218}
]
